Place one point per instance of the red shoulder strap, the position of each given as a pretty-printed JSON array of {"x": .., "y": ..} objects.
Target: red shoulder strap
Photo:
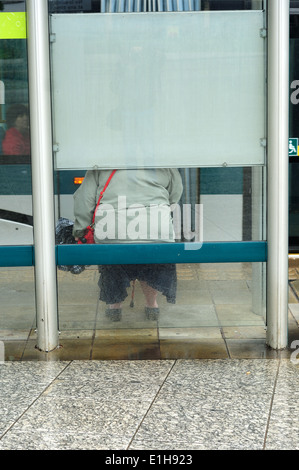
[{"x": 102, "y": 193}]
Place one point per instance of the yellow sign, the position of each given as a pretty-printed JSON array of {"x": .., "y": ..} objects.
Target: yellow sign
[{"x": 12, "y": 25}]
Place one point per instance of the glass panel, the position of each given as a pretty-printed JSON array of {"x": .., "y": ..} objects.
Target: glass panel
[
  {"x": 15, "y": 169},
  {"x": 233, "y": 4},
  {"x": 294, "y": 133},
  {"x": 215, "y": 204},
  {"x": 87, "y": 6},
  {"x": 17, "y": 302},
  {"x": 223, "y": 202},
  {"x": 191, "y": 87},
  {"x": 208, "y": 295},
  {"x": 17, "y": 312},
  {"x": 232, "y": 207},
  {"x": 293, "y": 207},
  {"x": 233, "y": 203}
]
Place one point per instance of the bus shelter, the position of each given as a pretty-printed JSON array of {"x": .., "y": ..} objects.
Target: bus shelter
[{"x": 164, "y": 86}]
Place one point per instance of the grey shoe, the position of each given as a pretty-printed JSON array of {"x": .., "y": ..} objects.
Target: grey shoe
[
  {"x": 114, "y": 314},
  {"x": 152, "y": 313}
]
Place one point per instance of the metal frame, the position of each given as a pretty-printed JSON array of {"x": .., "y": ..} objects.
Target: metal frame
[
  {"x": 209, "y": 252},
  {"x": 42, "y": 171},
  {"x": 277, "y": 223}
]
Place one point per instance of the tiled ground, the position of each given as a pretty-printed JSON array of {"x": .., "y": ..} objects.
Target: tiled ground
[{"x": 247, "y": 404}]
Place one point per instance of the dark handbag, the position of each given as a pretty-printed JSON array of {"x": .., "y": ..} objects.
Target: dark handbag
[
  {"x": 89, "y": 231},
  {"x": 64, "y": 236}
]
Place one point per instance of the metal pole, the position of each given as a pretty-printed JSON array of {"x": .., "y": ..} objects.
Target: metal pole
[
  {"x": 42, "y": 174},
  {"x": 278, "y": 99}
]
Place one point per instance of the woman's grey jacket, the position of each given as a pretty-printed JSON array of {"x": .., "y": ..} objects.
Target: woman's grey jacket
[{"x": 137, "y": 205}]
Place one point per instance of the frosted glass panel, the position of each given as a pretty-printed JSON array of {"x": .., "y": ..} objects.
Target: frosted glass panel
[{"x": 158, "y": 89}]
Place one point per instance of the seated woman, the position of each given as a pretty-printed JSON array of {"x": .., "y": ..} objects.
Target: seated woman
[{"x": 136, "y": 207}]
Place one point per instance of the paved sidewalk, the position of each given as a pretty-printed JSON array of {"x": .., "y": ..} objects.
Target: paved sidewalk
[{"x": 150, "y": 405}]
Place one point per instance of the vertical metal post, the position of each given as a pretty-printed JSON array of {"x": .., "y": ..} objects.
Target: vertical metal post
[
  {"x": 278, "y": 114},
  {"x": 42, "y": 173}
]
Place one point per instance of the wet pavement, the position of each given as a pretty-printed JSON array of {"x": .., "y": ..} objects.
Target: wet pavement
[{"x": 218, "y": 314}]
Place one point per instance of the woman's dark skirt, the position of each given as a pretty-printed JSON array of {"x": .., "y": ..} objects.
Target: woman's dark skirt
[{"x": 115, "y": 279}]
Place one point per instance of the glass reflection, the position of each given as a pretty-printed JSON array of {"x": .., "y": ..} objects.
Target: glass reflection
[
  {"x": 232, "y": 202},
  {"x": 122, "y": 6},
  {"x": 14, "y": 98},
  {"x": 15, "y": 167},
  {"x": 216, "y": 204},
  {"x": 17, "y": 300},
  {"x": 16, "y": 139}
]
